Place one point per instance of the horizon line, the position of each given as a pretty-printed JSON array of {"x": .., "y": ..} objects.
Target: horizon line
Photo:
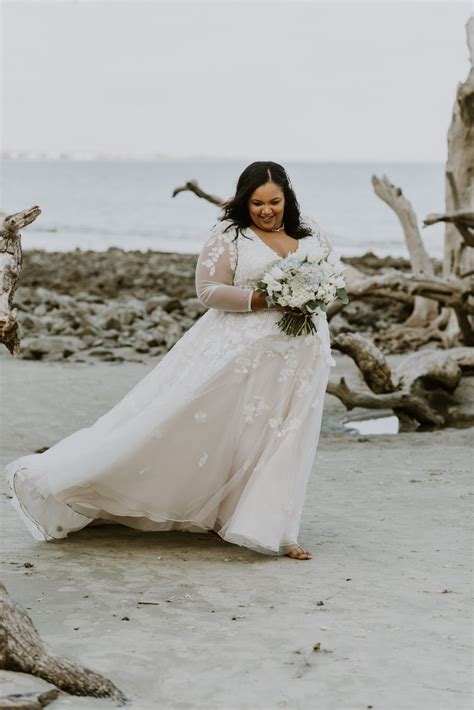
[{"x": 91, "y": 156}]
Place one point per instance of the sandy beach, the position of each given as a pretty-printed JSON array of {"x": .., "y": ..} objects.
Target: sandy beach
[
  {"x": 124, "y": 153},
  {"x": 179, "y": 621}
]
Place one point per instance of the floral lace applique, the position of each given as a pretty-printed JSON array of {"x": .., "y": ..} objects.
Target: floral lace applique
[
  {"x": 276, "y": 424},
  {"x": 203, "y": 459},
  {"x": 217, "y": 242},
  {"x": 246, "y": 363},
  {"x": 255, "y": 408},
  {"x": 200, "y": 417},
  {"x": 291, "y": 358}
]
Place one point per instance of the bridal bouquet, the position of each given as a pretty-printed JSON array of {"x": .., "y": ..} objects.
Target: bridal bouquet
[{"x": 307, "y": 283}]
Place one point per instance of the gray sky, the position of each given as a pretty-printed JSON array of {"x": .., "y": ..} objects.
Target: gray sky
[{"x": 280, "y": 80}]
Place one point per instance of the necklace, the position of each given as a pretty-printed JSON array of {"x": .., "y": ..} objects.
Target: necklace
[{"x": 274, "y": 229}]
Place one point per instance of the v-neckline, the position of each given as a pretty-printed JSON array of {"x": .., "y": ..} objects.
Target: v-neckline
[{"x": 273, "y": 250}]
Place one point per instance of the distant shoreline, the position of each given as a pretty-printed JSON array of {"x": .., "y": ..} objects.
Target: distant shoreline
[{"x": 90, "y": 156}]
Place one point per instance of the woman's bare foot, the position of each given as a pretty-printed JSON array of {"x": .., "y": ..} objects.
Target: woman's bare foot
[{"x": 297, "y": 553}]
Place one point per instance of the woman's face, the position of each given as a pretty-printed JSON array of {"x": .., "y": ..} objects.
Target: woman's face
[{"x": 266, "y": 206}]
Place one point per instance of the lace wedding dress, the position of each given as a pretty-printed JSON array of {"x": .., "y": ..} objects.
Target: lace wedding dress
[{"x": 221, "y": 434}]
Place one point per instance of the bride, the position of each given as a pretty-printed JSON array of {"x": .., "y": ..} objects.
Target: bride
[{"x": 221, "y": 434}]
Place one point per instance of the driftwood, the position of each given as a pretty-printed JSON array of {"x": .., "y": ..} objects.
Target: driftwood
[
  {"x": 11, "y": 259},
  {"x": 28, "y": 701},
  {"x": 420, "y": 390},
  {"x": 458, "y": 260},
  {"x": 192, "y": 186},
  {"x": 458, "y": 255},
  {"x": 22, "y": 649},
  {"x": 424, "y": 309},
  {"x": 463, "y": 220}
]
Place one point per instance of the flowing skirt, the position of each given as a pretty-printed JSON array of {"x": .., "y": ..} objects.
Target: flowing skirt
[{"x": 220, "y": 435}]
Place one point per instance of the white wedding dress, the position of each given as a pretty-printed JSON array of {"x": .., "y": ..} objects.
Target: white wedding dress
[{"x": 220, "y": 435}]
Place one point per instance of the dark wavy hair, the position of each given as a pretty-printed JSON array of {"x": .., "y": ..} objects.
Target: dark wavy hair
[{"x": 254, "y": 175}]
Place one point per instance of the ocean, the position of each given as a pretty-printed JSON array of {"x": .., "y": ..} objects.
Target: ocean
[{"x": 100, "y": 204}]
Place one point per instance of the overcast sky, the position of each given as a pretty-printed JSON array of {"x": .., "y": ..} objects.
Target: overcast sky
[{"x": 280, "y": 80}]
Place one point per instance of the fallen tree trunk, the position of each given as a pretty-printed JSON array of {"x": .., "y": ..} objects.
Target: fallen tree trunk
[
  {"x": 420, "y": 390},
  {"x": 22, "y": 649},
  {"x": 11, "y": 260},
  {"x": 424, "y": 309}
]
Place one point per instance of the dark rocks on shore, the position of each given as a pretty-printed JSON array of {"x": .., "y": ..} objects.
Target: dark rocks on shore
[{"x": 120, "y": 305}]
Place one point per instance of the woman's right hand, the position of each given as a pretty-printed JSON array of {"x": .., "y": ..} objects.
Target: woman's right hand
[{"x": 259, "y": 303}]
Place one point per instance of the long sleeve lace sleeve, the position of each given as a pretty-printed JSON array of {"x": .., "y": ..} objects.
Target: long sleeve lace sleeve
[{"x": 215, "y": 272}]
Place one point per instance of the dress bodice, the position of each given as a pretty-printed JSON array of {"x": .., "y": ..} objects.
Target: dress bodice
[
  {"x": 254, "y": 256},
  {"x": 232, "y": 261}
]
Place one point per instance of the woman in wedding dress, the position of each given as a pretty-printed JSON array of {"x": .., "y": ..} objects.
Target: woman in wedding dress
[{"x": 221, "y": 434}]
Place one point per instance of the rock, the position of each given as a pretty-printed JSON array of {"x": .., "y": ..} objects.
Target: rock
[
  {"x": 127, "y": 353},
  {"x": 174, "y": 304},
  {"x": 16, "y": 686},
  {"x": 160, "y": 317},
  {"x": 194, "y": 308},
  {"x": 40, "y": 310},
  {"x": 49, "y": 347},
  {"x": 111, "y": 334},
  {"x": 156, "y": 302},
  {"x": 127, "y": 316},
  {"x": 111, "y": 323},
  {"x": 173, "y": 335},
  {"x": 29, "y": 322},
  {"x": 102, "y": 354}
]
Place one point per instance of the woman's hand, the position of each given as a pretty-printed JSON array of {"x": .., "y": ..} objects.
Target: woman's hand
[{"x": 259, "y": 303}]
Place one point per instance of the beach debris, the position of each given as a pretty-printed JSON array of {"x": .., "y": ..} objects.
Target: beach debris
[
  {"x": 23, "y": 650},
  {"x": 422, "y": 389},
  {"x": 11, "y": 259},
  {"x": 28, "y": 701}
]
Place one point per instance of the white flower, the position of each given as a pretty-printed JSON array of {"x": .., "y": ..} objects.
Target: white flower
[
  {"x": 200, "y": 417},
  {"x": 276, "y": 272},
  {"x": 203, "y": 459},
  {"x": 332, "y": 258}
]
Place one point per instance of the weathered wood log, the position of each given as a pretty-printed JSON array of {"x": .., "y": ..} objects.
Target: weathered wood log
[
  {"x": 453, "y": 293},
  {"x": 192, "y": 186},
  {"x": 423, "y": 384},
  {"x": 28, "y": 701},
  {"x": 424, "y": 309},
  {"x": 22, "y": 649},
  {"x": 415, "y": 406},
  {"x": 369, "y": 359},
  {"x": 11, "y": 260},
  {"x": 463, "y": 220},
  {"x": 433, "y": 368},
  {"x": 458, "y": 256},
  {"x": 461, "y": 216}
]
